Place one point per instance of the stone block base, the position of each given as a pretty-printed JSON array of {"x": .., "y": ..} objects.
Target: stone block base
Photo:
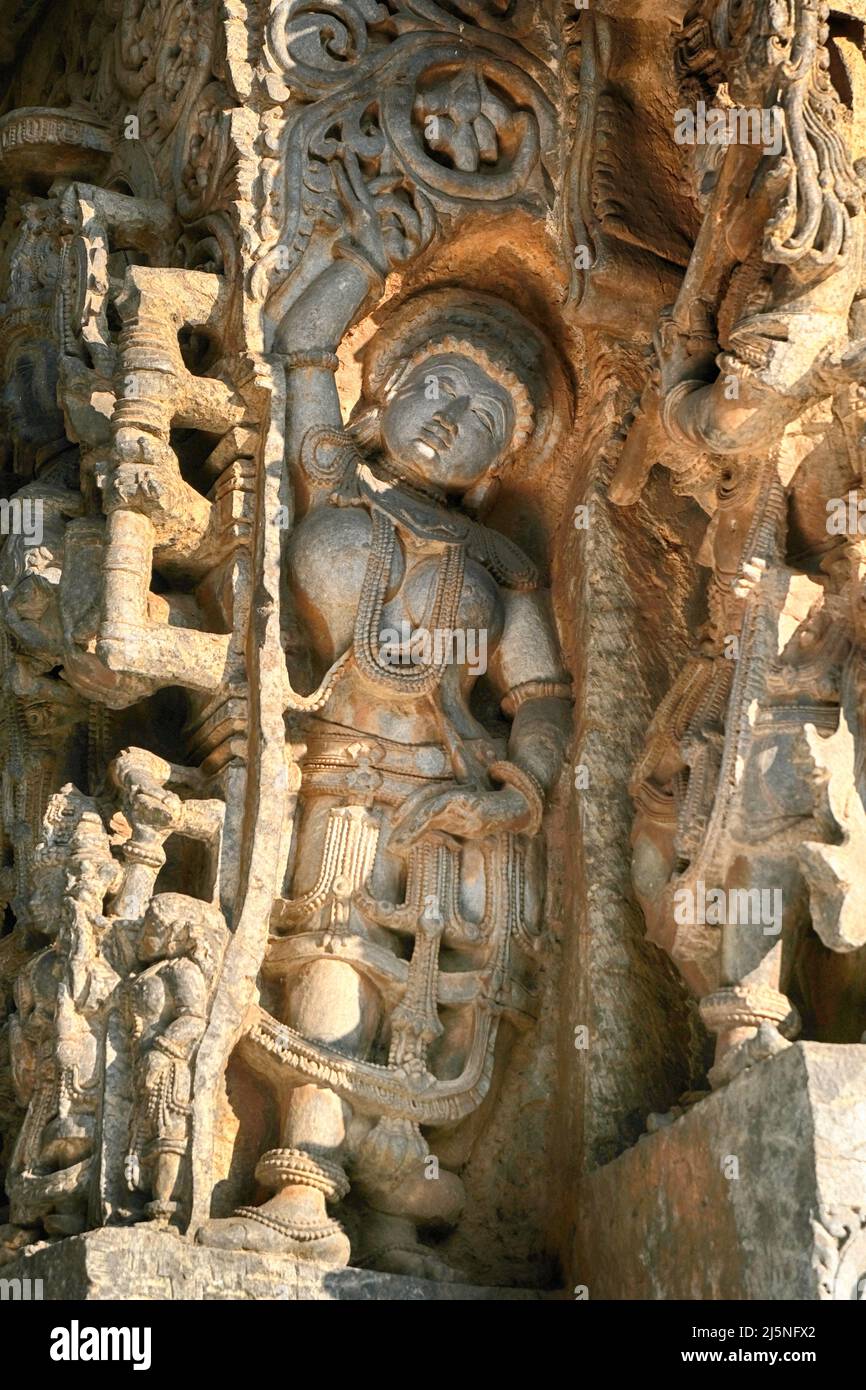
[
  {"x": 758, "y": 1191},
  {"x": 136, "y": 1263}
]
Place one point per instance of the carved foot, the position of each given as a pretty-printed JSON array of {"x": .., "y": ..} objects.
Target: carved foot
[
  {"x": 14, "y": 1240},
  {"x": 767, "y": 1042},
  {"x": 280, "y": 1228},
  {"x": 65, "y": 1223},
  {"x": 391, "y": 1244},
  {"x": 158, "y": 1215},
  {"x": 657, "y": 1120},
  {"x": 752, "y": 1022}
]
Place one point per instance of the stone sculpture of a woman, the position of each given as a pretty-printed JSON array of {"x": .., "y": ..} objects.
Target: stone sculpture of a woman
[{"x": 406, "y": 932}]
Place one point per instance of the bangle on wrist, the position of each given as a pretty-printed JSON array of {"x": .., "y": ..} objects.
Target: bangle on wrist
[
  {"x": 350, "y": 252},
  {"x": 311, "y": 357},
  {"x": 534, "y": 690},
  {"x": 670, "y": 402},
  {"x": 522, "y": 781}
]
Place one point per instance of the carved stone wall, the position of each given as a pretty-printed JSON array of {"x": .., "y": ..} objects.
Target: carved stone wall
[{"x": 431, "y": 430}]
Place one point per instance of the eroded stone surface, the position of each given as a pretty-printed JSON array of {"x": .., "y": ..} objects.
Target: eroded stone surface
[
  {"x": 114, "y": 1264},
  {"x": 758, "y": 1191},
  {"x": 344, "y": 614},
  {"x": 277, "y": 866}
]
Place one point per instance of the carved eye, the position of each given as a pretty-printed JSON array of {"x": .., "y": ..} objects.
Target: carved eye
[{"x": 486, "y": 418}]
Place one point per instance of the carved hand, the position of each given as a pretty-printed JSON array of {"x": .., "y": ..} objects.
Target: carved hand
[
  {"x": 467, "y": 813},
  {"x": 152, "y": 805},
  {"x": 359, "y": 209},
  {"x": 382, "y": 228},
  {"x": 381, "y": 221},
  {"x": 749, "y": 576},
  {"x": 684, "y": 356},
  {"x": 132, "y": 1171},
  {"x": 156, "y": 1064}
]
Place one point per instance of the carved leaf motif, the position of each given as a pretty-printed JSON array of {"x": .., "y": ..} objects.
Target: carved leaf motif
[{"x": 312, "y": 43}]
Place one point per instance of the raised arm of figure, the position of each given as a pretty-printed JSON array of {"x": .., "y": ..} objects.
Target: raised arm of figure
[{"x": 315, "y": 325}]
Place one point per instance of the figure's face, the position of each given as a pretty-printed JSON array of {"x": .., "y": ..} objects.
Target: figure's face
[
  {"x": 29, "y": 396},
  {"x": 448, "y": 423},
  {"x": 48, "y": 892},
  {"x": 157, "y": 938}
]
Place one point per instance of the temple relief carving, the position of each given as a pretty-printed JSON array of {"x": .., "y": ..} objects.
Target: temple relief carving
[
  {"x": 756, "y": 405},
  {"x": 285, "y": 700}
]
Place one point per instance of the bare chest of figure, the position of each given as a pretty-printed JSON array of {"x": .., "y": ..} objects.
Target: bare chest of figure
[
  {"x": 150, "y": 996},
  {"x": 329, "y": 557}
]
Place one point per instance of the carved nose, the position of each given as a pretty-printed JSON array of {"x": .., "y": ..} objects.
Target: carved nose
[{"x": 452, "y": 413}]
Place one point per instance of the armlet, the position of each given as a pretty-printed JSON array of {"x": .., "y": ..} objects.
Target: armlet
[{"x": 534, "y": 690}]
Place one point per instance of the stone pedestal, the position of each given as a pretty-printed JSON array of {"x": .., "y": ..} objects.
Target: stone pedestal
[
  {"x": 759, "y": 1191},
  {"x": 136, "y": 1263}
]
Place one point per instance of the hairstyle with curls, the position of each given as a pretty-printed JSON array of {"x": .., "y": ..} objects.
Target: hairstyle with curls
[
  {"x": 524, "y": 413},
  {"x": 779, "y": 51},
  {"x": 486, "y": 330}
]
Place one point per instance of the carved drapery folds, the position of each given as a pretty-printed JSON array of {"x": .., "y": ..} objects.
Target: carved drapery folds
[
  {"x": 306, "y": 537},
  {"x": 242, "y": 828}
]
